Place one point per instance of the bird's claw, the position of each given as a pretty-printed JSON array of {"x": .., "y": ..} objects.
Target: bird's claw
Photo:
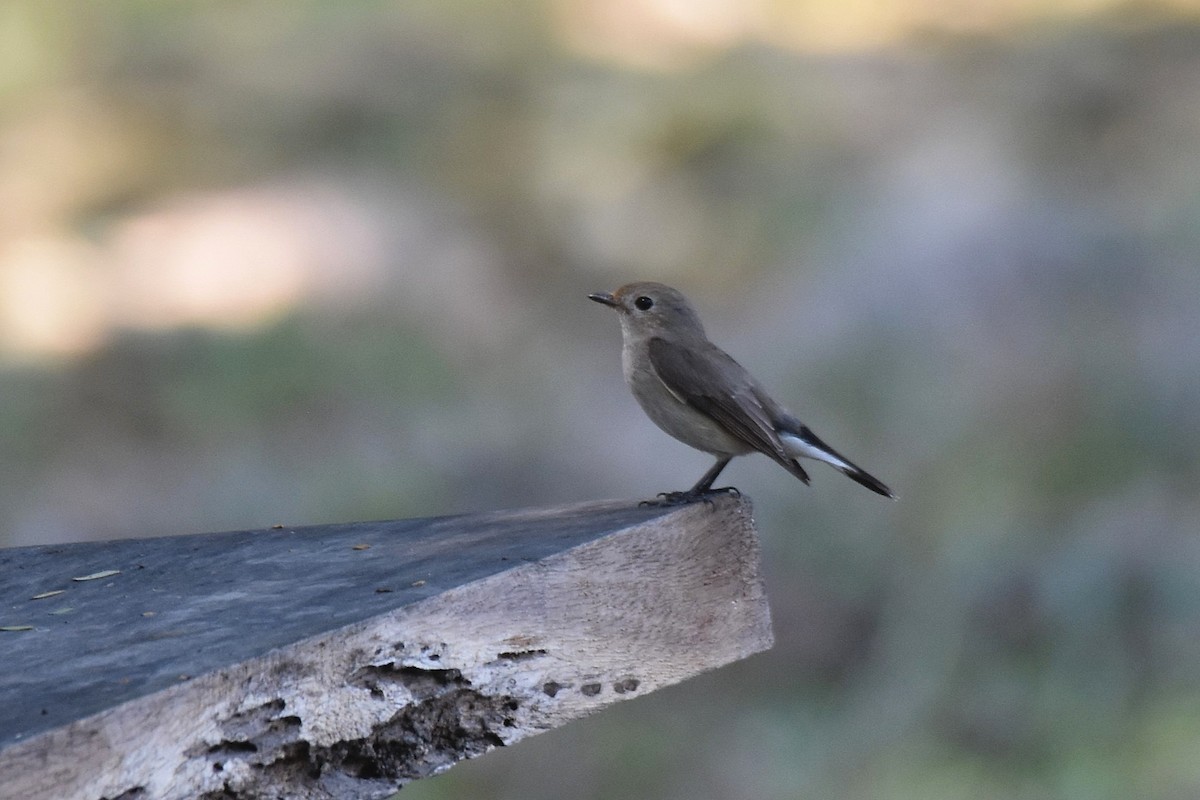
[{"x": 690, "y": 496}]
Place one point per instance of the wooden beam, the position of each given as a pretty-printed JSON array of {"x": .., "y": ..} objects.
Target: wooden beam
[{"x": 346, "y": 660}]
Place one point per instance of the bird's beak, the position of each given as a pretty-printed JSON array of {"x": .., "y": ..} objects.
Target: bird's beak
[{"x": 605, "y": 298}]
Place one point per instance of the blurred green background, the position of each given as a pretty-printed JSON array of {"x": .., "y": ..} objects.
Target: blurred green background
[{"x": 302, "y": 262}]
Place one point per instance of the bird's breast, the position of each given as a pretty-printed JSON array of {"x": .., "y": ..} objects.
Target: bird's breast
[{"x": 672, "y": 413}]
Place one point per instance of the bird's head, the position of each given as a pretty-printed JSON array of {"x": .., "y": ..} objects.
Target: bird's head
[{"x": 652, "y": 309}]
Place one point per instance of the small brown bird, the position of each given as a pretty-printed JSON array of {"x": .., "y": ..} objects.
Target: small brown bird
[{"x": 696, "y": 392}]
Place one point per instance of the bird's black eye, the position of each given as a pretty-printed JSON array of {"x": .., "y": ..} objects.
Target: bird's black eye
[{"x": 644, "y": 303}]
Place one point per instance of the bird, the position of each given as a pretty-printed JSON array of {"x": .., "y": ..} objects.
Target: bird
[{"x": 697, "y": 393}]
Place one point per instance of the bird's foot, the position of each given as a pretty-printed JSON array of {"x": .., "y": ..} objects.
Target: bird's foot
[
  {"x": 690, "y": 496},
  {"x": 671, "y": 499}
]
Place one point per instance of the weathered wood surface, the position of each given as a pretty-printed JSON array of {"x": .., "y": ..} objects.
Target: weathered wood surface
[{"x": 298, "y": 663}]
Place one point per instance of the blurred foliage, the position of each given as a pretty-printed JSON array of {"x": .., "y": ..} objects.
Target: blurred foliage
[{"x": 316, "y": 261}]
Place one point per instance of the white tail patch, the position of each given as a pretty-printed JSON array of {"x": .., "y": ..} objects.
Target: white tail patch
[{"x": 798, "y": 448}]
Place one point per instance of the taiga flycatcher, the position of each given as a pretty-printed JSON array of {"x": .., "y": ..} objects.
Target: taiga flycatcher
[{"x": 696, "y": 392}]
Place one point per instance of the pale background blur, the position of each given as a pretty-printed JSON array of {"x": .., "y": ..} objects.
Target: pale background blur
[{"x": 327, "y": 261}]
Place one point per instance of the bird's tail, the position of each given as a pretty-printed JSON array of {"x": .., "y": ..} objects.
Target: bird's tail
[
  {"x": 868, "y": 480},
  {"x": 800, "y": 441}
]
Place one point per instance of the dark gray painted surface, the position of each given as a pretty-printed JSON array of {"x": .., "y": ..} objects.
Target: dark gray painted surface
[{"x": 216, "y": 599}]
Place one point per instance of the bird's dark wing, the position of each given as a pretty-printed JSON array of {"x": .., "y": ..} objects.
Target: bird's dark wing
[{"x": 709, "y": 380}]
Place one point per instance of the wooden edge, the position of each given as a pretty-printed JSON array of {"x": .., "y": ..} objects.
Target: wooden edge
[{"x": 358, "y": 712}]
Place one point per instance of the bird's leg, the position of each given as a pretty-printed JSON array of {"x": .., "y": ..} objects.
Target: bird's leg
[
  {"x": 705, "y": 483},
  {"x": 702, "y": 487}
]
